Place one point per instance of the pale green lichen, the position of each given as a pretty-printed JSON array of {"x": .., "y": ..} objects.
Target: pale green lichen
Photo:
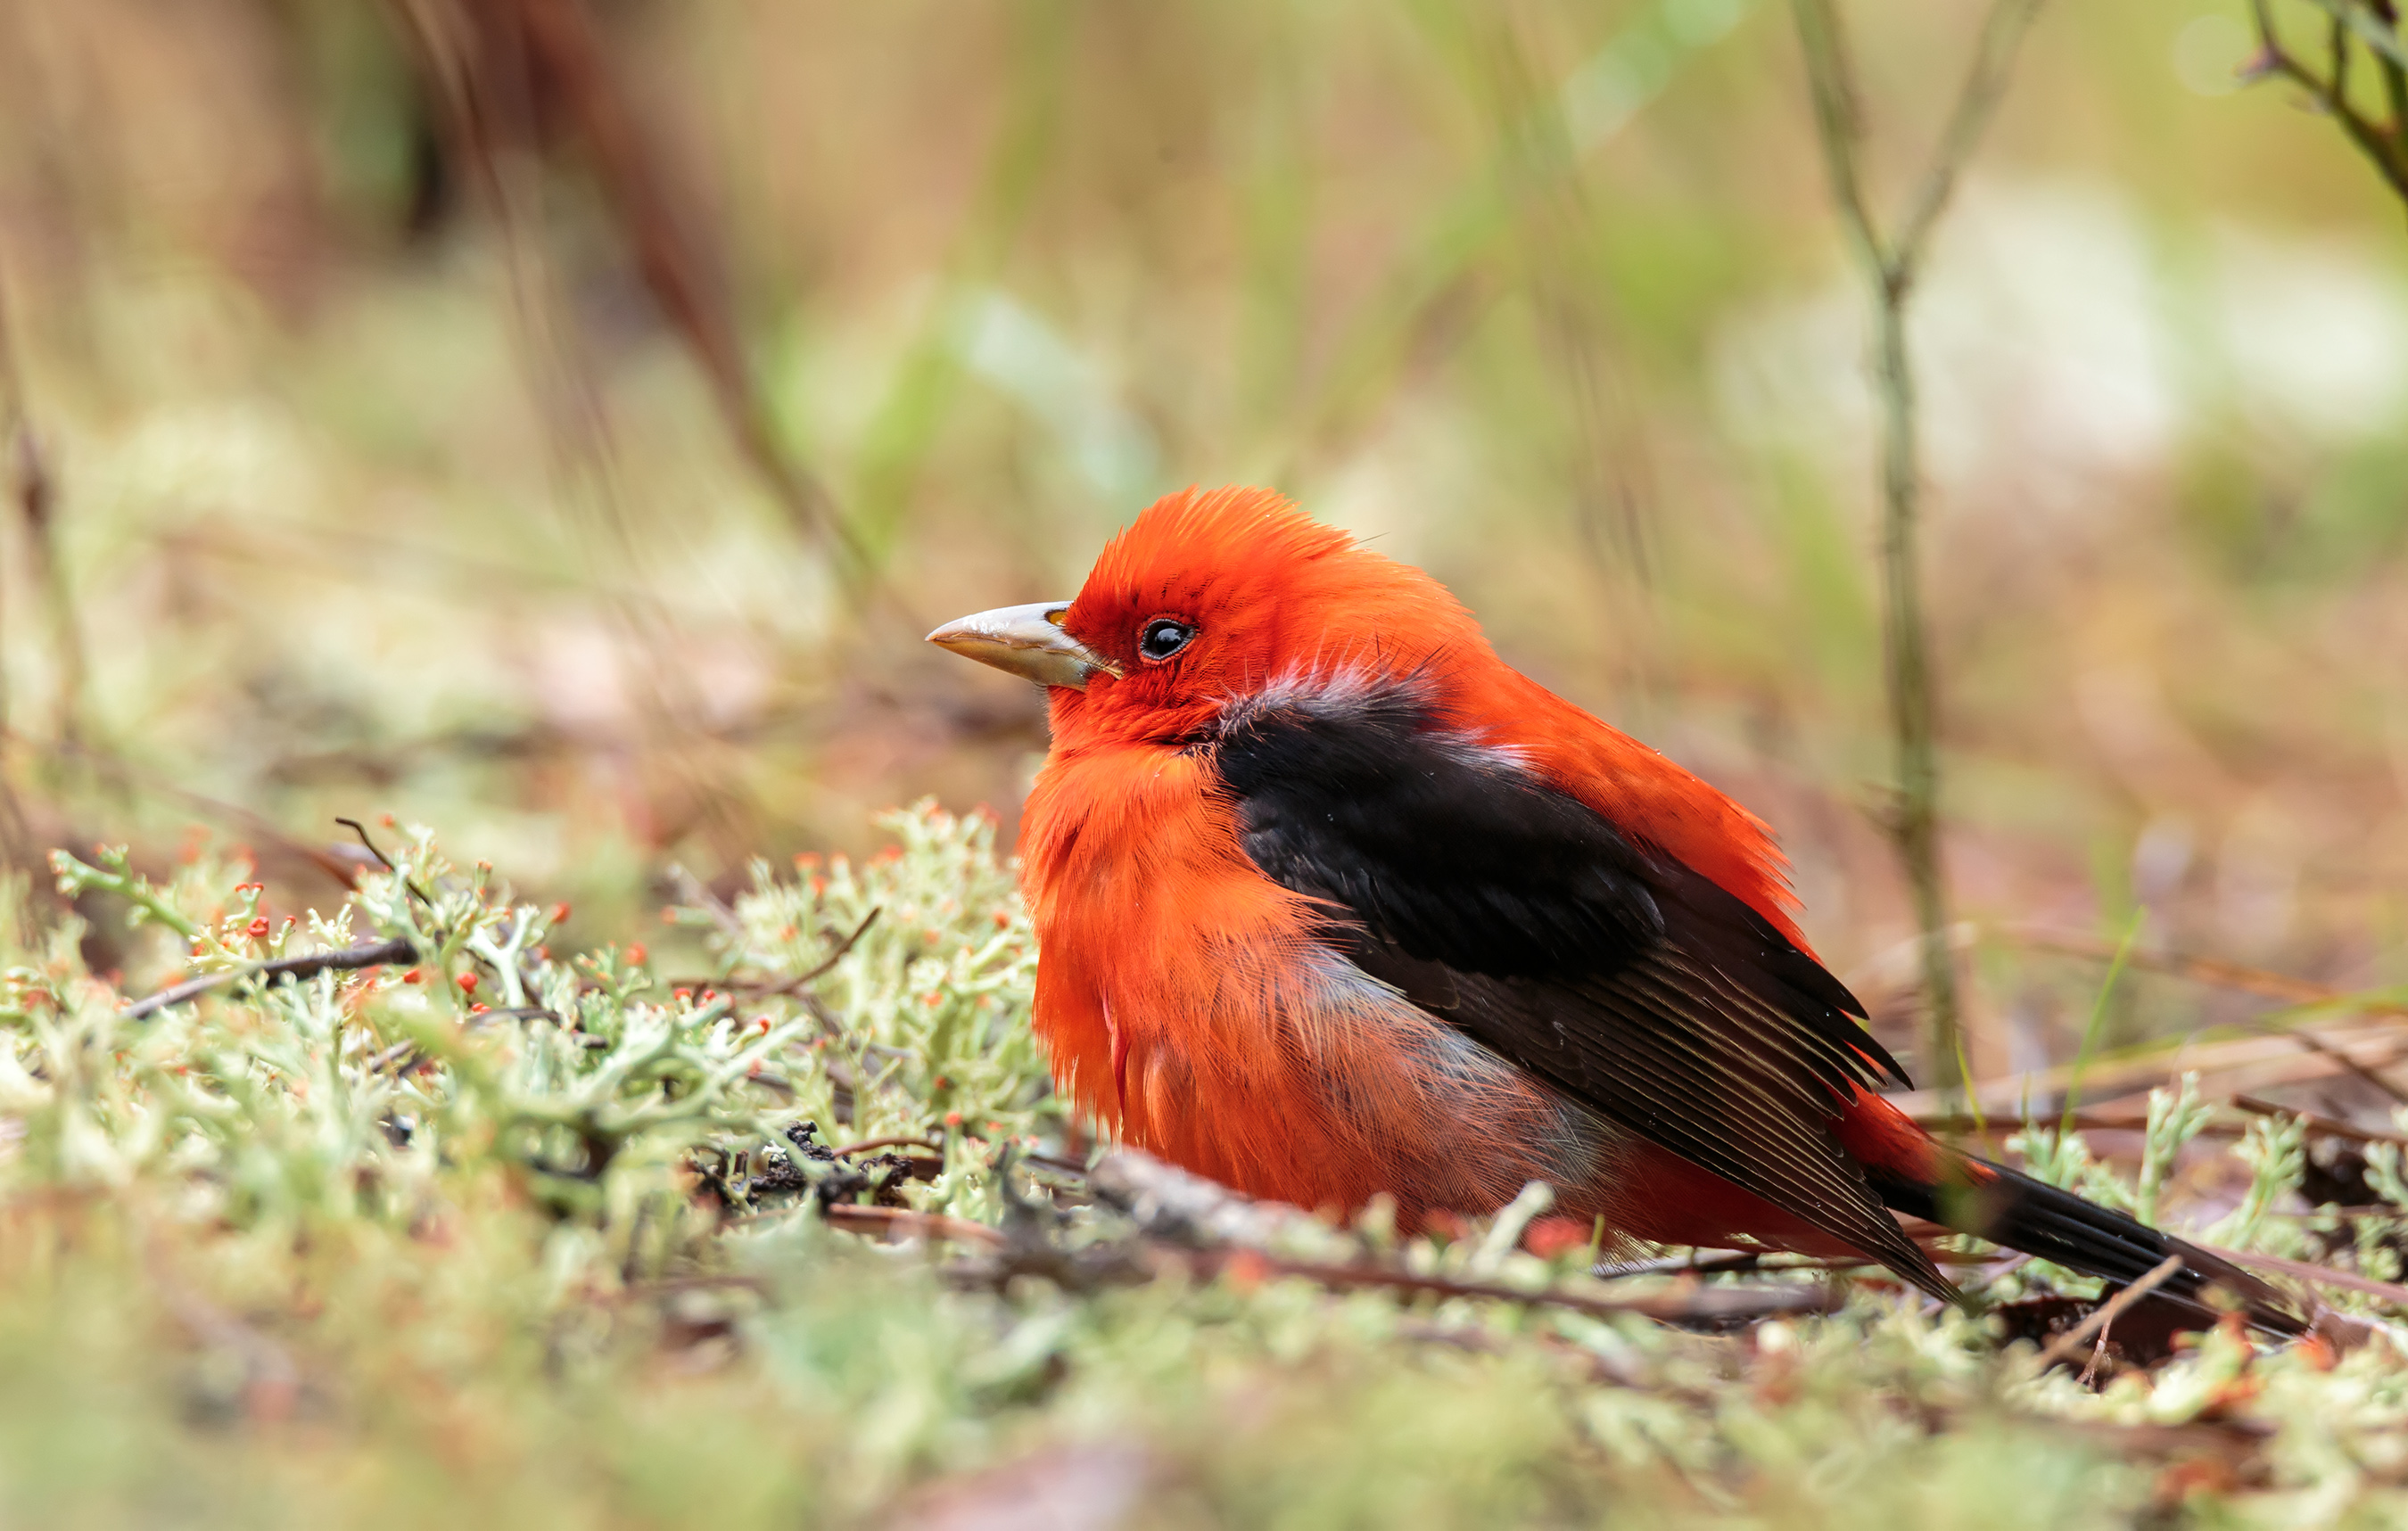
[{"x": 350, "y": 1249}]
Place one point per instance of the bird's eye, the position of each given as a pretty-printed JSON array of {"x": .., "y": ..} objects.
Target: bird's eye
[{"x": 1162, "y": 637}]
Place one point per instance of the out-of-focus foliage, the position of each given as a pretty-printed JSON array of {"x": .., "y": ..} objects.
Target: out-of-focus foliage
[
  {"x": 351, "y": 469},
  {"x": 1544, "y": 296},
  {"x": 470, "y": 1239}
]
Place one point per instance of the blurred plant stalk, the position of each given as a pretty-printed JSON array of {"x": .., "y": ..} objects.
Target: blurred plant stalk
[
  {"x": 2350, "y": 26},
  {"x": 29, "y": 479},
  {"x": 1891, "y": 264}
]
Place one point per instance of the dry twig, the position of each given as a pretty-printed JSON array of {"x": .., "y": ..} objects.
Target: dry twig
[
  {"x": 868, "y": 1144},
  {"x": 900, "y": 1222},
  {"x": 2346, "y": 1281},
  {"x": 2211, "y": 970},
  {"x": 373, "y": 955},
  {"x": 36, "y": 502},
  {"x": 2324, "y": 1126},
  {"x": 2386, "y": 151},
  {"x": 2064, "y": 1345},
  {"x": 2248, "y": 1062},
  {"x": 2348, "y": 1064},
  {"x": 767, "y": 988},
  {"x": 1690, "y": 1304},
  {"x": 1891, "y": 264}
]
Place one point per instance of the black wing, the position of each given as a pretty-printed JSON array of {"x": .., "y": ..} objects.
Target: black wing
[{"x": 1529, "y": 920}]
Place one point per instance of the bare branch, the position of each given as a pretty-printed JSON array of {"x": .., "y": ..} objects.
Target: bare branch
[
  {"x": 36, "y": 506},
  {"x": 2390, "y": 1292},
  {"x": 867, "y": 1144},
  {"x": 361, "y": 830},
  {"x": 374, "y": 954},
  {"x": 1691, "y": 1305},
  {"x": 2367, "y": 28},
  {"x": 1891, "y": 264},
  {"x": 900, "y": 1222},
  {"x": 767, "y": 988},
  {"x": 1977, "y": 101},
  {"x": 2323, "y": 1125},
  {"x": 1839, "y": 124},
  {"x": 2064, "y": 1345},
  {"x": 2214, "y": 970},
  {"x": 2314, "y": 1043},
  {"x": 2273, "y": 59}
]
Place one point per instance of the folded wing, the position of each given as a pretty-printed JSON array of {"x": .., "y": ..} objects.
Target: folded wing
[{"x": 1577, "y": 950}]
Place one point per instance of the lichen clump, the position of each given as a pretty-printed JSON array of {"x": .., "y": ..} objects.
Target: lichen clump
[{"x": 519, "y": 1237}]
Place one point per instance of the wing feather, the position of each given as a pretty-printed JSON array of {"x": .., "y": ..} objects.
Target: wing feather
[{"x": 1543, "y": 932}]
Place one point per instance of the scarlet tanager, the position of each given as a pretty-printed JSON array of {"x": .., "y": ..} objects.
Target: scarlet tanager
[{"x": 1332, "y": 902}]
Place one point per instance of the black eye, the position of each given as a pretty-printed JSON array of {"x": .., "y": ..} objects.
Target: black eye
[{"x": 1162, "y": 637}]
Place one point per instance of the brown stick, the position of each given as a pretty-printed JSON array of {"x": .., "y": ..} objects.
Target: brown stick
[
  {"x": 2323, "y": 1125},
  {"x": 868, "y": 1143},
  {"x": 1696, "y": 1304},
  {"x": 1961, "y": 1127},
  {"x": 766, "y": 988},
  {"x": 2318, "y": 1275},
  {"x": 37, "y": 499},
  {"x": 2064, "y": 1345},
  {"x": 1891, "y": 264},
  {"x": 2331, "y": 95},
  {"x": 1692, "y": 1305},
  {"x": 2314, "y": 1043},
  {"x": 1695, "y": 1262},
  {"x": 1952, "y": 1124},
  {"x": 2386, "y": 1043},
  {"x": 2213, "y": 971},
  {"x": 900, "y": 1222},
  {"x": 374, "y": 954},
  {"x": 684, "y": 277},
  {"x": 1772, "y": 1261}
]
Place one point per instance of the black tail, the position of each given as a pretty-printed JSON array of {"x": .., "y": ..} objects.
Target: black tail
[{"x": 2022, "y": 1213}]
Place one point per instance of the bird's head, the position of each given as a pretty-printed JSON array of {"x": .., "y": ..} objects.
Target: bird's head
[{"x": 1209, "y": 597}]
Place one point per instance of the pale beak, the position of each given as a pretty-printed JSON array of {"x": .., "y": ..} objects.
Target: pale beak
[{"x": 1027, "y": 640}]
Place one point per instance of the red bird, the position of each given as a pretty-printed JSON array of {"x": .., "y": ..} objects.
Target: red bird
[{"x": 1332, "y": 902}]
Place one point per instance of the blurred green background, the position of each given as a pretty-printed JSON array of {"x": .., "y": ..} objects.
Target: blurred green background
[{"x": 445, "y": 407}]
